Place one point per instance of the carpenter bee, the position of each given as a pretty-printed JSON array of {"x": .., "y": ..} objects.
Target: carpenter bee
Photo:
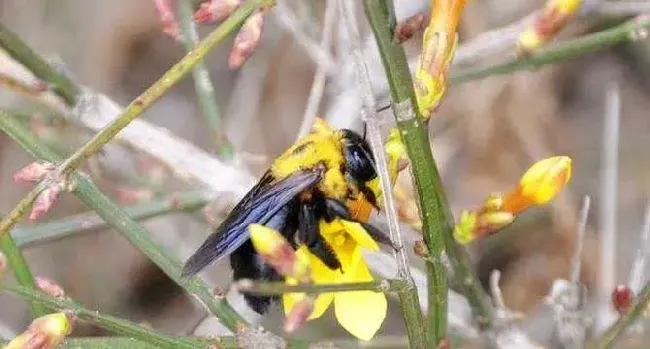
[{"x": 316, "y": 178}]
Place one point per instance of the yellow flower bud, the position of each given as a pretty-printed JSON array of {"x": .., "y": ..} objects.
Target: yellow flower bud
[
  {"x": 494, "y": 202},
  {"x": 396, "y": 152},
  {"x": 495, "y": 220},
  {"x": 45, "y": 332},
  {"x": 555, "y": 16},
  {"x": 277, "y": 251},
  {"x": 438, "y": 47},
  {"x": 464, "y": 229},
  {"x": 545, "y": 179}
]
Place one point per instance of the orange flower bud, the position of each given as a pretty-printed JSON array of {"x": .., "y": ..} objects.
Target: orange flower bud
[
  {"x": 540, "y": 184},
  {"x": 545, "y": 179},
  {"x": 277, "y": 251},
  {"x": 555, "y": 16},
  {"x": 45, "y": 332}
]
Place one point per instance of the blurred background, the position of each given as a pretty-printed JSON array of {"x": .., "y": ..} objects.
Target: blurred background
[{"x": 485, "y": 136}]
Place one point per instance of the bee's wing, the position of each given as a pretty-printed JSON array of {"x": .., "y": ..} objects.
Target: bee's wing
[{"x": 258, "y": 206}]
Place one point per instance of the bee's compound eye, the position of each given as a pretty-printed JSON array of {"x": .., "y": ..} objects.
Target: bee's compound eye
[{"x": 359, "y": 165}]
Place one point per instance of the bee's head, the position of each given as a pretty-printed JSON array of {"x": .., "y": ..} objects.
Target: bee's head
[{"x": 359, "y": 161}]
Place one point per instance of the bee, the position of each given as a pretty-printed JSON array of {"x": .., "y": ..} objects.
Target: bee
[{"x": 321, "y": 176}]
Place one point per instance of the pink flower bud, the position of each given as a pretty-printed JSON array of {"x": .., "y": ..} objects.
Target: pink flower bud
[
  {"x": 50, "y": 287},
  {"x": 298, "y": 315},
  {"x": 247, "y": 39},
  {"x": 33, "y": 172},
  {"x": 45, "y": 201},
  {"x": 170, "y": 25},
  {"x": 215, "y": 10}
]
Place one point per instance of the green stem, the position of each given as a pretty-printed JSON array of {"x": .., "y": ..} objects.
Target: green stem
[
  {"x": 274, "y": 288},
  {"x": 21, "y": 271},
  {"x": 84, "y": 222},
  {"x": 92, "y": 197},
  {"x": 202, "y": 84},
  {"x": 18, "y": 50},
  {"x": 436, "y": 217},
  {"x": 408, "y": 296},
  {"x": 133, "y": 110},
  {"x": 382, "y": 20},
  {"x": 131, "y": 343},
  {"x": 113, "y": 324},
  {"x": 561, "y": 52},
  {"x": 609, "y": 337}
]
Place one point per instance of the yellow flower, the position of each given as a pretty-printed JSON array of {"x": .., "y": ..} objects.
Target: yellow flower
[{"x": 361, "y": 313}]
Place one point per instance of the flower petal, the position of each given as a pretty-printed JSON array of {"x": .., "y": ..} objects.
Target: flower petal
[
  {"x": 361, "y": 312},
  {"x": 356, "y": 231},
  {"x": 321, "y": 303}
]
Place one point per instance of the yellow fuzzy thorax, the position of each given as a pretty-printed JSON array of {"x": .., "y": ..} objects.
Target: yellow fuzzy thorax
[{"x": 317, "y": 149}]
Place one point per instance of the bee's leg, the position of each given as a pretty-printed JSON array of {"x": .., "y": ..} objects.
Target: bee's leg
[
  {"x": 337, "y": 209},
  {"x": 309, "y": 234}
]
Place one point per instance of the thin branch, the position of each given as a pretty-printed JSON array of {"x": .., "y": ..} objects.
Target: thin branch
[
  {"x": 576, "y": 259},
  {"x": 436, "y": 216},
  {"x": 569, "y": 49},
  {"x": 85, "y": 222},
  {"x": 495, "y": 289},
  {"x": 202, "y": 83},
  {"x": 613, "y": 332},
  {"x": 92, "y": 197},
  {"x": 318, "y": 86},
  {"x": 61, "y": 85},
  {"x": 409, "y": 298},
  {"x": 275, "y": 288},
  {"x": 609, "y": 204},
  {"x": 19, "y": 86},
  {"x": 117, "y": 325},
  {"x": 20, "y": 268}
]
